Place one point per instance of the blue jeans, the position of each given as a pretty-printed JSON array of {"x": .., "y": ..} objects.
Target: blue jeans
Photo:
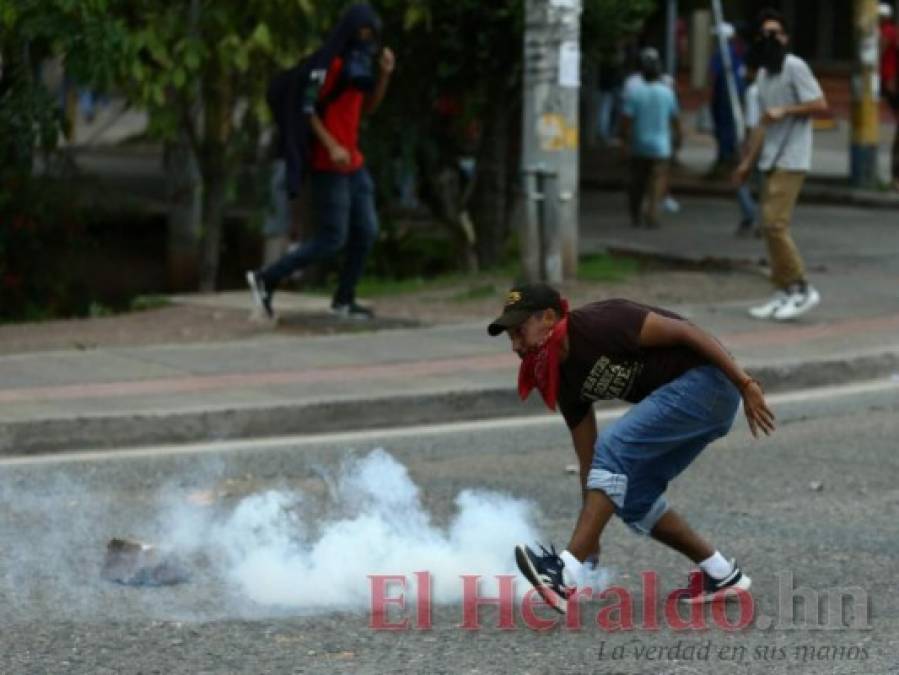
[
  {"x": 605, "y": 109},
  {"x": 344, "y": 208},
  {"x": 748, "y": 209},
  {"x": 636, "y": 456},
  {"x": 277, "y": 216}
]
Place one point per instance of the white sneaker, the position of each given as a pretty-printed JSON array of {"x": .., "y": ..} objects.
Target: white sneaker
[
  {"x": 767, "y": 310},
  {"x": 797, "y": 304},
  {"x": 670, "y": 204}
]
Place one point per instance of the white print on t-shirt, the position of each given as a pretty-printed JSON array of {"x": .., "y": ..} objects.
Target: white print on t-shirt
[{"x": 610, "y": 380}]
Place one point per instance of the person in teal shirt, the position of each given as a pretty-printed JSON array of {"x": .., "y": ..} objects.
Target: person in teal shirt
[{"x": 651, "y": 128}]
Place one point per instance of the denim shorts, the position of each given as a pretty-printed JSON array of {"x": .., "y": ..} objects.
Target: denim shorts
[{"x": 636, "y": 456}]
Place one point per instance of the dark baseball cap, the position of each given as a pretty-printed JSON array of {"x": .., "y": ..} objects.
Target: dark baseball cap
[{"x": 523, "y": 301}]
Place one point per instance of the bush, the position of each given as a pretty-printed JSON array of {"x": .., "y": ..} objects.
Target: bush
[{"x": 40, "y": 233}]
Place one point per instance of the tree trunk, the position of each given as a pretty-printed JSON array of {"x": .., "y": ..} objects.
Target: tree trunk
[
  {"x": 449, "y": 202},
  {"x": 184, "y": 193},
  {"x": 217, "y": 168},
  {"x": 488, "y": 203},
  {"x": 214, "y": 201},
  {"x": 184, "y": 186}
]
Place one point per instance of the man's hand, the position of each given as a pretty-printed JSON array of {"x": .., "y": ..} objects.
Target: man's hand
[
  {"x": 740, "y": 174},
  {"x": 339, "y": 155},
  {"x": 387, "y": 61},
  {"x": 758, "y": 414},
  {"x": 662, "y": 331},
  {"x": 774, "y": 114},
  {"x": 386, "y": 65}
]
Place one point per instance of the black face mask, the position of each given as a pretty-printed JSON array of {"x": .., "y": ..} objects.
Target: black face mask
[
  {"x": 772, "y": 53},
  {"x": 359, "y": 64}
]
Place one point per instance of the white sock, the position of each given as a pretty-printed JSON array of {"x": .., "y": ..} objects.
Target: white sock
[
  {"x": 716, "y": 566},
  {"x": 573, "y": 571}
]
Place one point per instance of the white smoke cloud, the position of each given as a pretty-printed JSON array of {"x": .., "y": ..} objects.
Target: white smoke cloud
[
  {"x": 283, "y": 549},
  {"x": 374, "y": 524}
]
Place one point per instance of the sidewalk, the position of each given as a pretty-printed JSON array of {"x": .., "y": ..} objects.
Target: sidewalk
[
  {"x": 134, "y": 171},
  {"x": 827, "y": 182},
  {"x": 274, "y": 385},
  {"x": 149, "y": 395}
]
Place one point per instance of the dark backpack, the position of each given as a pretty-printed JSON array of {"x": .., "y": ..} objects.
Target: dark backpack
[{"x": 291, "y": 114}]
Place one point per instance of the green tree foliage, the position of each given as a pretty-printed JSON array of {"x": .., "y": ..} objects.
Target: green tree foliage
[
  {"x": 30, "y": 32},
  {"x": 200, "y": 68},
  {"x": 606, "y": 22},
  {"x": 30, "y": 122},
  {"x": 454, "y": 95},
  {"x": 457, "y": 91}
]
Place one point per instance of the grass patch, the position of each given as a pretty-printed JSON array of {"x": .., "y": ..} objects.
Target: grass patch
[
  {"x": 142, "y": 303},
  {"x": 489, "y": 283},
  {"x": 473, "y": 286},
  {"x": 476, "y": 292},
  {"x": 603, "y": 267},
  {"x": 374, "y": 287}
]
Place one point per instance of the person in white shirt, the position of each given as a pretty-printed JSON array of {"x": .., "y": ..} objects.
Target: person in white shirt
[{"x": 788, "y": 95}]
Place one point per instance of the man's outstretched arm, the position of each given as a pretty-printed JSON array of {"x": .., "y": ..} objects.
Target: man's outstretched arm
[
  {"x": 661, "y": 331},
  {"x": 583, "y": 437},
  {"x": 752, "y": 148}
]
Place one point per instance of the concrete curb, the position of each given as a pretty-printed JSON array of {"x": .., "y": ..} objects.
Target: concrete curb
[
  {"x": 812, "y": 192},
  {"x": 115, "y": 431},
  {"x": 121, "y": 430},
  {"x": 683, "y": 260}
]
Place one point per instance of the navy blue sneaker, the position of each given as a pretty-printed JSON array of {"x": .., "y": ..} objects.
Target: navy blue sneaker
[
  {"x": 544, "y": 571},
  {"x": 717, "y": 590},
  {"x": 350, "y": 310},
  {"x": 262, "y": 294}
]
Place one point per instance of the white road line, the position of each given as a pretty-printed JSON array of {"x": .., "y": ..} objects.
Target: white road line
[{"x": 349, "y": 437}]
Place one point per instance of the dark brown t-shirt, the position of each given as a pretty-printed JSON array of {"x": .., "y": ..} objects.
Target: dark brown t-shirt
[{"x": 605, "y": 360}]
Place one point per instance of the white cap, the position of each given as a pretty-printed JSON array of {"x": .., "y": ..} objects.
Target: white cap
[
  {"x": 724, "y": 28},
  {"x": 885, "y": 10}
]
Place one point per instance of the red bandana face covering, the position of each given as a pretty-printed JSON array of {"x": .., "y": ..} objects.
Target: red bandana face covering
[{"x": 540, "y": 366}]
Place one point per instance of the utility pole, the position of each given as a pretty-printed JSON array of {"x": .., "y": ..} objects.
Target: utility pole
[
  {"x": 727, "y": 63},
  {"x": 550, "y": 133},
  {"x": 865, "y": 96},
  {"x": 671, "y": 38}
]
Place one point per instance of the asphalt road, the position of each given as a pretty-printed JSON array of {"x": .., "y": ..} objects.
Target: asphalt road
[{"x": 279, "y": 536}]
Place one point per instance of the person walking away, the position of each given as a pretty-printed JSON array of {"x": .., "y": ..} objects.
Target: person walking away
[
  {"x": 788, "y": 95},
  {"x": 669, "y": 203},
  {"x": 649, "y": 127},
  {"x": 318, "y": 107}
]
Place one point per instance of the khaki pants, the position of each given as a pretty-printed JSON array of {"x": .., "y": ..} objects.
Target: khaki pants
[
  {"x": 779, "y": 194},
  {"x": 649, "y": 178}
]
